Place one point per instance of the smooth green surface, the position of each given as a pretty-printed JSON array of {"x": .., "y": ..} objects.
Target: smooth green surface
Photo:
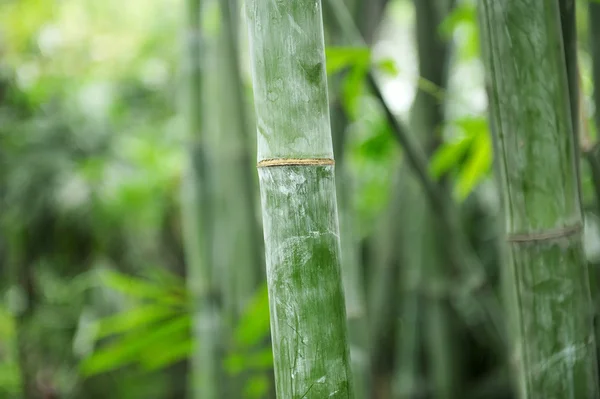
[
  {"x": 554, "y": 347},
  {"x": 308, "y": 316}
]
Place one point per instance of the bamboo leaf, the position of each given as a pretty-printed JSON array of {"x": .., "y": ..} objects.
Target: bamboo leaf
[
  {"x": 353, "y": 87},
  {"x": 254, "y": 325},
  {"x": 476, "y": 167},
  {"x": 449, "y": 156},
  {"x": 127, "y": 350},
  {"x": 388, "y": 66},
  {"x": 131, "y": 286},
  {"x": 175, "y": 352},
  {"x": 257, "y": 387},
  {"x": 339, "y": 58},
  {"x": 132, "y": 319},
  {"x": 460, "y": 15},
  {"x": 235, "y": 363}
]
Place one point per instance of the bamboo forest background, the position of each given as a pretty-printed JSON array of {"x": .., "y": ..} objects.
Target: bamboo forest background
[{"x": 98, "y": 119}]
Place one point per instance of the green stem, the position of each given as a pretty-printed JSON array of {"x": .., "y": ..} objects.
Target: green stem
[
  {"x": 196, "y": 216},
  {"x": 537, "y": 155},
  {"x": 568, "y": 22},
  {"x": 302, "y": 246},
  {"x": 427, "y": 121},
  {"x": 592, "y": 154}
]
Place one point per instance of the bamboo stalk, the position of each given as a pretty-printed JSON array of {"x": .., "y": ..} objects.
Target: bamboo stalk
[
  {"x": 296, "y": 173},
  {"x": 196, "y": 217},
  {"x": 592, "y": 154},
  {"x": 554, "y": 345},
  {"x": 427, "y": 119},
  {"x": 238, "y": 221}
]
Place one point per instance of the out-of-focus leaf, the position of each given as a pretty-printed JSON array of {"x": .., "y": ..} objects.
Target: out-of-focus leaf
[
  {"x": 128, "y": 350},
  {"x": 353, "y": 87},
  {"x": 476, "y": 167},
  {"x": 472, "y": 125},
  {"x": 139, "y": 288},
  {"x": 339, "y": 58},
  {"x": 254, "y": 361},
  {"x": 388, "y": 66},
  {"x": 462, "y": 14},
  {"x": 129, "y": 285},
  {"x": 256, "y": 387},
  {"x": 174, "y": 352},
  {"x": 254, "y": 326},
  {"x": 132, "y": 319},
  {"x": 448, "y": 156}
]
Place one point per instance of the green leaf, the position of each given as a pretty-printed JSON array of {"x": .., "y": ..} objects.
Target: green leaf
[
  {"x": 448, "y": 156},
  {"x": 129, "y": 285},
  {"x": 254, "y": 325},
  {"x": 128, "y": 350},
  {"x": 257, "y": 387},
  {"x": 476, "y": 167},
  {"x": 339, "y": 58},
  {"x": 353, "y": 88},
  {"x": 132, "y": 319},
  {"x": 472, "y": 126},
  {"x": 261, "y": 360},
  {"x": 155, "y": 360},
  {"x": 139, "y": 288},
  {"x": 388, "y": 66},
  {"x": 460, "y": 15}
]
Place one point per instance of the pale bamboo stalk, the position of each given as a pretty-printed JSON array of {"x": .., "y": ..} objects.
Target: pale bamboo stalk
[{"x": 295, "y": 154}]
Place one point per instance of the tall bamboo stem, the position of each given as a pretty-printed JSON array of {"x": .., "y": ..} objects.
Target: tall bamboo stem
[
  {"x": 196, "y": 217},
  {"x": 554, "y": 345},
  {"x": 295, "y": 154}
]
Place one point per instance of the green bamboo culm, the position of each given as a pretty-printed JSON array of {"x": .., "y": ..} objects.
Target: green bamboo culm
[
  {"x": 297, "y": 185},
  {"x": 196, "y": 217},
  {"x": 550, "y": 304}
]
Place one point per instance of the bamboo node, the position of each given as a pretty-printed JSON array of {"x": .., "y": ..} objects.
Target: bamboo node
[
  {"x": 269, "y": 163},
  {"x": 546, "y": 235}
]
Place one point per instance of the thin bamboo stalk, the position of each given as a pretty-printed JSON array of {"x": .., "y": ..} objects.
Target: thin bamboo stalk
[
  {"x": 554, "y": 345},
  {"x": 295, "y": 154},
  {"x": 196, "y": 217},
  {"x": 238, "y": 203},
  {"x": 427, "y": 120},
  {"x": 592, "y": 154}
]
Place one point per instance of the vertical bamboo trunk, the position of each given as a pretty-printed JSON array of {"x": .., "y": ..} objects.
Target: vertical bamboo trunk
[
  {"x": 295, "y": 154},
  {"x": 569, "y": 33},
  {"x": 196, "y": 208},
  {"x": 593, "y": 154},
  {"x": 427, "y": 120},
  {"x": 238, "y": 205},
  {"x": 554, "y": 345},
  {"x": 423, "y": 267}
]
